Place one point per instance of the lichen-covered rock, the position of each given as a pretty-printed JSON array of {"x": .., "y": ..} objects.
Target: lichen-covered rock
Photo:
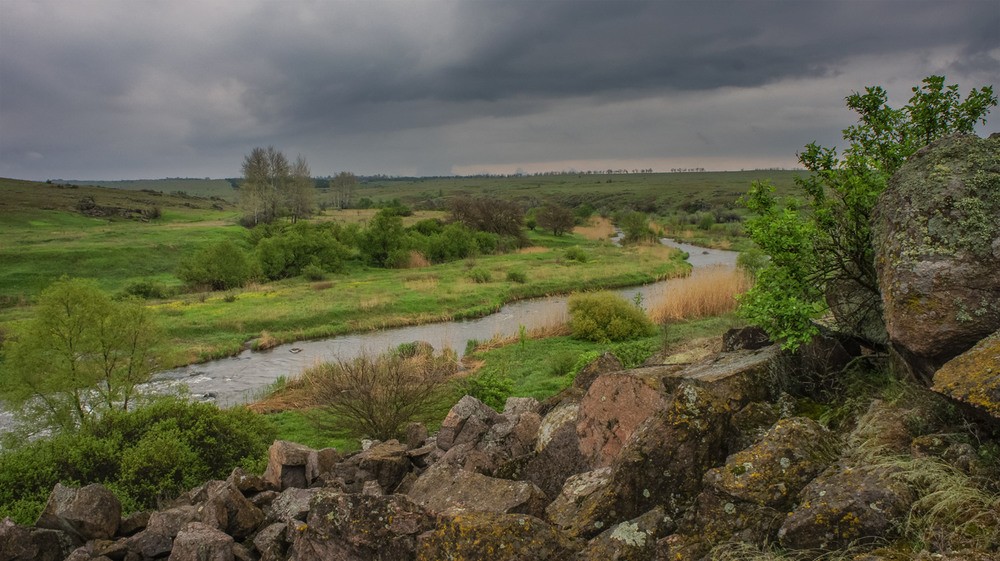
[
  {"x": 444, "y": 488},
  {"x": 466, "y": 408},
  {"x": 715, "y": 518},
  {"x": 494, "y": 537},
  {"x": 91, "y": 512},
  {"x": 738, "y": 377},
  {"x": 291, "y": 504},
  {"x": 844, "y": 504},
  {"x": 750, "y": 424},
  {"x": 270, "y": 543},
  {"x": 202, "y": 542},
  {"x": 973, "y": 377},
  {"x": 416, "y": 435},
  {"x": 512, "y": 436},
  {"x": 565, "y": 510},
  {"x": 360, "y": 528},
  {"x": 632, "y": 540},
  {"x": 749, "y": 338},
  {"x": 246, "y": 482},
  {"x": 614, "y": 406},
  {"x": 772, "y": 471},
  {"x": 604, "y": 364},
  {"x": 519, "y": 405},
  {"x": 661, "y": 464},
  {"x": 937, "y": 242},
  {"x": 21, "y": 543}
]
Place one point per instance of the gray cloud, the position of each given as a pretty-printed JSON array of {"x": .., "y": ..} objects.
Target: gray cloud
[{"x": 110, "y": 89}]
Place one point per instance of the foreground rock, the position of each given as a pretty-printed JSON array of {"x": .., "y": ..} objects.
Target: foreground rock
[
  {"x": 494, "y": 537},
  {"x": 974, "y": 376},
  {"x": 91, "y": 512},
  {"x": 937, "y": 241}
]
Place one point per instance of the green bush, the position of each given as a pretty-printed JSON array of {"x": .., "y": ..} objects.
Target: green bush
[
  {"x": 517, "y": 275},
  {"x": 480, "y": 275},
  {"x": 576, "y": 254},
  {"x": 313, "y": 272},
  {"x": 602, "y": 316},
  {"x": 633, "y": 353},
  {"x": 491, "y": 387},
  {"x": 752, "y": 260},
  {"x": 706, "y": 221},
  {"x": 143, "y": 455},
  {"x": 149, "y": 289},
  {"x": 221, "y": 266}
]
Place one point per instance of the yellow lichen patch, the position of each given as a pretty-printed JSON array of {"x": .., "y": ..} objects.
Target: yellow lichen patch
[{"x": 974, "y": 376}]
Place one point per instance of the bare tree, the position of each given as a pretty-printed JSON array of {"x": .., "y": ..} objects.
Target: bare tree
[
  {"x": 301, "y": 191},
  {"x": 342, "y": 188},
  {"x": 378, "y": 396},
  {"x": 557, "y": 218},
  {"x": 266, "y": 174}
]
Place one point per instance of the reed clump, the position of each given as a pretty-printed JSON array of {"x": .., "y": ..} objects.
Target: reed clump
[{"x": 705, "y": 293}]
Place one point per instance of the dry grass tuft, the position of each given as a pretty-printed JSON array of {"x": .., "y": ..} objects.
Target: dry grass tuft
[
  {"x": 266, "y": 341},
  {"x": 531, "y": 250},
  {"x": 417, "y": 261},
  {"x": 325, "y": 285},
  {"x": 598, "y": 228},
  {"x": 705, "y": 293}
]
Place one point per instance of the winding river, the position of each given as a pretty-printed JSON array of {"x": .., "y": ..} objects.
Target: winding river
[{"x": 235, "y": 380}]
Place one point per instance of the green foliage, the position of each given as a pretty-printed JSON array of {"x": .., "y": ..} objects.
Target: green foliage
[
  {"x": 220, "y": 266},
  {"x": 633, "y": 353},
  {"x": 149, "y": 289},
  {"x": 286, "y": 251},
  {"x": 603, "y": 316},
  {"x": 582, "y": 361},
  {"x": 144, "y": 455},
  {"x": 831, "y": 244},
  {"x": 480, "y": 275},
  {"x": 80, "y": 356},
  {"x": 706, "y": 221},
  {"x": 313, "y": 272},
  {"x": 517, "y": 275},
  {"x": 634, "y": 226},
  {"x": 575, "y": 253},
  {"x": 492, "y": 387},
  {"x": 383, "y": 236},
  {"x": 557, "y": 218},
  {"x": 751, "y": 260}
]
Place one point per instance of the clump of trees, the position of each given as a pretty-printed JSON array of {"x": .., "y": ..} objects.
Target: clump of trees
[
  {"x": 557, "y": 218},
  {"x": 824, "y": 244},
  {"x": 272, "y": 187}
]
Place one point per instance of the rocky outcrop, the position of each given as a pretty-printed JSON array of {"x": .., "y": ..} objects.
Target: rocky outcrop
[
  {"x": 496, "y": 537},
  {"x": 937, "y": 242},
  {"x": 86, "y": 513},
  {"x": 974, "y": 376}
]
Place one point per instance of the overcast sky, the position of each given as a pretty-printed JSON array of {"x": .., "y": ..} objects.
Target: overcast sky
[{"x": 99, "y": 89}]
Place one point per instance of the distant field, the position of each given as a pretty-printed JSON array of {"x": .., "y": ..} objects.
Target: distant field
[{"x": 648, "y": 192}]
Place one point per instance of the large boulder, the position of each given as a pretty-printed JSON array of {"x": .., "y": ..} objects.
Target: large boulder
[
  {"x": 772, "y": 471},
  {"x": 632, "y": 540},
  {"x": 444, "y": 488},
  {"x": 614, "y": 406},
  {"x": 290, "y": 464},
  {"x": 222, "y": 506},
  {"x": 973, "y": 377},
  {"x": 91, "y": 512},
  {"x": 21, "y": 543},
  {"x": 202, "y": 542},
  {"x": 557, "y": 450},
  {"x": 360, "y": 528},
  {"x": 937, "y": 243},
  {"x": 460, "y": 414},
  {"x": 846, "y": 503},
  {"x": 494, "y": 537}
]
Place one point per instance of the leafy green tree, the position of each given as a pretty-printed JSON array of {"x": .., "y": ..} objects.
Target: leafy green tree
[
  {"x": 822, "y": 253},
  {"x": 220, "y": 266},
  {"x": 383, "y": 236},
  {"x": 301, "y": 194},
  {"x": 266, "y": 176},
  {"x": 83, "y": 353},
  {"x": 634, "y": 226}
]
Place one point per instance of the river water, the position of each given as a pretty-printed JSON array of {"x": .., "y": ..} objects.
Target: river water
[{"x": 234, "y": 380}]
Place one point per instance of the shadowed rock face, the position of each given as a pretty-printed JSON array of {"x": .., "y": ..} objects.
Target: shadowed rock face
[
  {"x": 974, "y": 376},
  {"x": 937, "y": 239}
]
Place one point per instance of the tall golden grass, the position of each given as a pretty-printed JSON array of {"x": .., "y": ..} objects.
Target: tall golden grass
[
  {"x": 706, "y": 292},
  {"x": 598, "y": 228}
]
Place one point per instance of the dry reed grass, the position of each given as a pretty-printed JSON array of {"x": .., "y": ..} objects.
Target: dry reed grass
[
  {"x": 266, "y": 341},
  {"x": 706, "y": 292},
  {"x": 531, "y": 250},
  {"x": 417, "y": 261},
  {"x": 323, "y": 285},
  {"x": 422, "y": 284},
  {"x": 372, "y": 303},
  {"x": 598, "y": 228}
]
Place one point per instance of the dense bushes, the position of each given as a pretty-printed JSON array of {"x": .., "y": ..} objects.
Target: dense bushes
[
  {"x": 221, "y": 266},
  {"x": 602, "y": 316},
  {"x": 144, "y": 455}
]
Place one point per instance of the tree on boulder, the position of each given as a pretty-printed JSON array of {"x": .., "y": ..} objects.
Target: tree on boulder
[{"x": 822, "y": 255}]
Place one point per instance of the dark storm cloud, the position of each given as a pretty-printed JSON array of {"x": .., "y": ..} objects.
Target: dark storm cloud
[{"x": 122, "y": 89}]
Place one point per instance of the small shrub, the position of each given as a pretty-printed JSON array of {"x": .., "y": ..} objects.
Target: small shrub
[
  {"x": 148, "y": 289},
  {"x": 517, "y": 275},
  {"x": 562, "y": 364},
  {"x": 602, "y": 316},
  {"x": 582, "y": 361},
  {"x": 221, "y": 266},
  {"x": 752, "y": 261},
  {"x": 633, "y": 353},
  {"x": 230, "y": 297},
  {"x": 313, "y": 272},
  {"x": 492, "y": 387},
  {"x": 577, "y": 254},
  {"x": 480, "y": 275},
  {"x": 706, "y": 221}
]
